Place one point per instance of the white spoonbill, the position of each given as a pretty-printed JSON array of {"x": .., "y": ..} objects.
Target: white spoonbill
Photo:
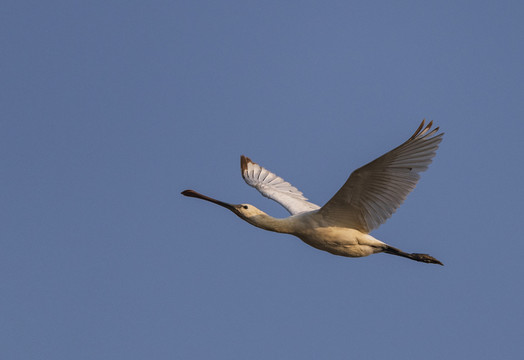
[{"x": 369, "y": 197}]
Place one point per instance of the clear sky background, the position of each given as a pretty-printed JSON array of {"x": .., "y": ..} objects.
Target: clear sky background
[{"x": 110, "y": 108}]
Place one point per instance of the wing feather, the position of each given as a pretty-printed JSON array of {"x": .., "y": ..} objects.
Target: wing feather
[
  {"x": 274, "y": 187},
  {"x": 373, "y": 192}
]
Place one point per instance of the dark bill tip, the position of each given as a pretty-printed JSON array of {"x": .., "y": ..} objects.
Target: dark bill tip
[{"x": 191, "y": 193}]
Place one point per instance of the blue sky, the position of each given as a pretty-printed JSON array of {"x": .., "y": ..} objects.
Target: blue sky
[{"x": 111, "y": 108}]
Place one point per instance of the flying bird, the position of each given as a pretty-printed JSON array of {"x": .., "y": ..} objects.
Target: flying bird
[{"x": 371, "y": 194}]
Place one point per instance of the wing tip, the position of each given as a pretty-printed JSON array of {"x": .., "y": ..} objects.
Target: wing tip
[
  {"x": 418, "y": 130},
  {"x": 244, "y": 160},
  {"x": 422, "y": 130}
]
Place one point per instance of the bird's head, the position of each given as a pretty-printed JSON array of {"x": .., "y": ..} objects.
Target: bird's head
[
  {"x": 244, "y": 211},
  {"x": 247, "y": 211}
]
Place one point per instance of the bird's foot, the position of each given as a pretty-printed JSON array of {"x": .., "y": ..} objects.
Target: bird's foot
[{"x": 425, "y": 258}]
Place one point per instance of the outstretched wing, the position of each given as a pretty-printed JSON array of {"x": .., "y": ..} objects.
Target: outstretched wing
[
  {"x": 274, "y": 187},
  {"x": 373, "y": 192}
]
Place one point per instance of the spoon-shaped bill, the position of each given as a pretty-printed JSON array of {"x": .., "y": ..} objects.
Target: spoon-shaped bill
[{"x": 193, "y": 193}]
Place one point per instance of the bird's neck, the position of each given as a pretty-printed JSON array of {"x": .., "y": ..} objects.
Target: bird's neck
[{"x": 270, "y": 223}]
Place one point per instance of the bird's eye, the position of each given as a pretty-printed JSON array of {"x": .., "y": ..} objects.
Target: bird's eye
[{"x": 245, "y": 207}]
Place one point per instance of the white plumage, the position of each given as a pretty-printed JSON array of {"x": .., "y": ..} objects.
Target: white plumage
[
  {"x": 369, "y": 197},
  {"x": 274, "y": 187}
]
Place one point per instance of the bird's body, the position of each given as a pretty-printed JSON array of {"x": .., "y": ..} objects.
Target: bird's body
[
  {"x": 309, "y": 228},
  {"x": 369, "y": 197},
  {"x": 342, "y": 241}
]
